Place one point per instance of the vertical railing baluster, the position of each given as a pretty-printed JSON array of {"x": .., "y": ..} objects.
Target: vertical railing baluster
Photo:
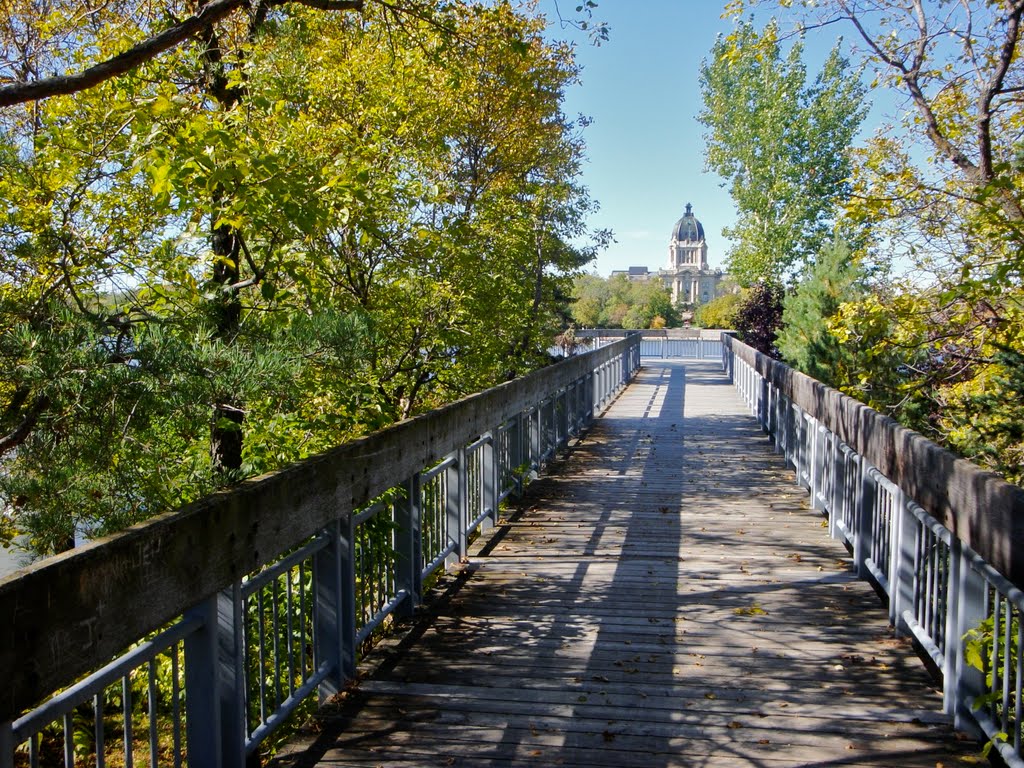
[
  {"x": 536, "y": 449},
  {"x": 902, "y": 550},
  {"x": 261, "y": 642},
  {"x": 302, "y": 622},
  {"x": 835, "y": 515},
  {"x": 290, "y": 631},
  {"x": 275, "y": 622},
  {"x": 334, "y": 611},
  {"x": 456, "y": 506},
  {"x": 154, "y": 745},
  {"x": 69, "y": 741},
  {"x": 1019, "y": 690},
  {"x": 175, "y": 704},
  {"x": 490, "y": 485},
  {"x": 97, "y": 725},
  {"x": 1005, "y": 670},
  {"x": 562, "y": 408},
  {"x": 862, "y": 521},
  {"x": 126, "y": 712}
]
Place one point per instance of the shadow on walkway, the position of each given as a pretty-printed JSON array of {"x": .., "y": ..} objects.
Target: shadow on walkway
[{"x": 663, "y": 598}]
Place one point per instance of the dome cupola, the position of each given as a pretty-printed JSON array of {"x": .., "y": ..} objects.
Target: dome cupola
[{"x": 688, "y": 229}]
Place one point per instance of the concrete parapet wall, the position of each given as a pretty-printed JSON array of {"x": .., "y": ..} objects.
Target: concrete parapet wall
[{"x": 979, "y": 507}]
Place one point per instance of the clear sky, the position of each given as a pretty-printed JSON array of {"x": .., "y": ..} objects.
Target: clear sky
[{"x": 645, "y": 147}]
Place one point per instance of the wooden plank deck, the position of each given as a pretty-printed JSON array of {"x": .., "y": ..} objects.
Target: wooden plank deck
[{"x": 664, "y": 598}]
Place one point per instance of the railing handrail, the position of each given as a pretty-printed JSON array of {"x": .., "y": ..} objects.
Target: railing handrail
[
  {"x": 709, "y": 334},
  {"x": 67, "y": 615},
  {"x": 980, "y": 508}
]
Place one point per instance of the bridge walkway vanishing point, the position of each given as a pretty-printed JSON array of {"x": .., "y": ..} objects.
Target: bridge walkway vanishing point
[{"x": 664, "y": 597}]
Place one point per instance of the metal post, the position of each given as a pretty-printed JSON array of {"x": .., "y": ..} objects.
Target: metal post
[
  {"x": 862, "y": 524},
  {"x": 215, "y": 719},
  {"x": 903, "y": 546},
  {"x": 818, "y": 465},
  {"x": 456, "y": 507},
  {"x": 535, "y": 437},
  {"x": 334, "y": 636},
  {"x": 491, "y": 479},
  {"x": 547, "y": 429},
  {"x": 588, "y": 399},
  {"x": 515, "y": 448},
  {"x": 408, "y": 544},
  {"x": 7, "y": 745},
  {"x": 562, "y": 408},
  {"x": 968, "y": 607},
  {"x": 763, "y": 405},
  {"x": 837, "y": 501}
]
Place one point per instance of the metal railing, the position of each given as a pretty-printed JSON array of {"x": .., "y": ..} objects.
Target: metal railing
[
  {"x": 680, "y": 343},
  {"x": 941, "y": 537},
  {"x": 225, "y": 617}
]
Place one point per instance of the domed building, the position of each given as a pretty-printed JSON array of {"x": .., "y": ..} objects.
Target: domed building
[{"x": 687, "y": 273}]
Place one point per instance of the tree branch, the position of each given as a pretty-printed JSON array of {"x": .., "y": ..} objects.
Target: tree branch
[
  {"x": 211, "y": 13},
  {"x": 17, "y": 436},
  {"x": 994, "y": 87},
  {"x": 910, "y": 76}
]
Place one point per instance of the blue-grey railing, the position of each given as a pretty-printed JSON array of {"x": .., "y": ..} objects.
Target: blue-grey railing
[
  {"x": 666, "y": 343},
  {"x": 942, "y": 538},
  {"x": 188, "y": 639}
]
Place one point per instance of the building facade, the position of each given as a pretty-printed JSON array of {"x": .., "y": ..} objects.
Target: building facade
[{"x": 687, "y": 274}]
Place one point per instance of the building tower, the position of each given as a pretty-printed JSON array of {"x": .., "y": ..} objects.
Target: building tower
[{"x": 687, "y": 274}]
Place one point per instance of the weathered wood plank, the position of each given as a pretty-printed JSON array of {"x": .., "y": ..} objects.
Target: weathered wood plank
[{"x": 665, "y": 599}]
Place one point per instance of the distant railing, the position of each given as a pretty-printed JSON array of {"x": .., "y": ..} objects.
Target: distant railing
[
  {"x": 189, "y": 638},
  {"x": 682, "y": 343},
  {"x": 942, "y": 538}
]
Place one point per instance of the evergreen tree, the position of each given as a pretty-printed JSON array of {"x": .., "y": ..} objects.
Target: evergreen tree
[{"x": 804, "y": 342}]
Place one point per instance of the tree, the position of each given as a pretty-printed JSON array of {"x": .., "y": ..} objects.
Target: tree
[
  {"x": 290, "y": 235},
  {"x": 590, "y": 294},
  {"x": 759, "y": 318},
  {"x": 836, "y": 277},
  {"x": 720, "y": 312},
  {"x": 932, "y": 349},
  {"x": 958, "y": 67},
  {"x": 781, "y": 144},
  {"x": 618, "y": 302}
]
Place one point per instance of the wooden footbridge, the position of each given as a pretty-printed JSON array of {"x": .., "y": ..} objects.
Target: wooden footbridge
[{"x": 676, "y": 588}]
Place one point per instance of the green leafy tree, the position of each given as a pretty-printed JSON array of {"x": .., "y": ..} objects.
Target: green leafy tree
[
  {"x": 720, "y": 312},
  {"x": 934, "y": 350},
  {"x": 590, "y": 295},
  {"x": 958, "y": 68},
  {"x": 618, "y": 302},
  {"x": 279, "y": 238},
  {"x": 781, "y": 144}
]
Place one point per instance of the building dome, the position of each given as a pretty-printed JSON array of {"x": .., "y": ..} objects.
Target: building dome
[{"x": 688, "y": 228}]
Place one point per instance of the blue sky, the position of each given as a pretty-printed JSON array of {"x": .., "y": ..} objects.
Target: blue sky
[{"x": 645, "y": 146}]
